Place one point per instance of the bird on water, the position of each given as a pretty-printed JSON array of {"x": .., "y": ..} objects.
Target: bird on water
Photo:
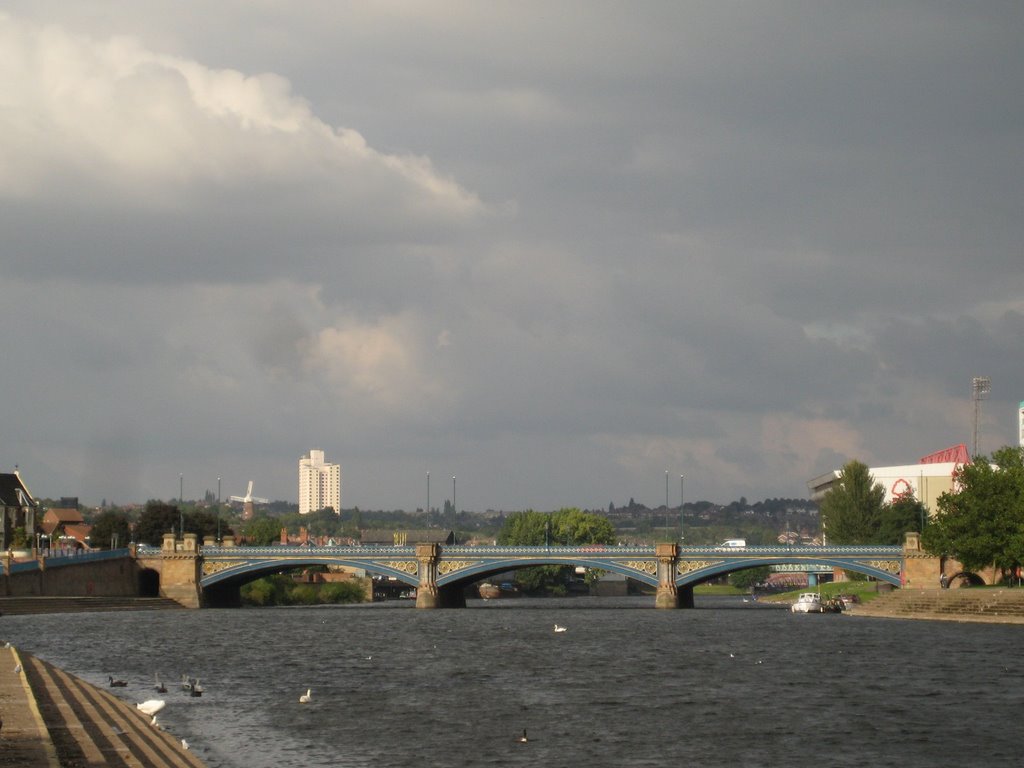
[
  {"x": 523, "y": 739},
  {"x": 306, "y": 697}
]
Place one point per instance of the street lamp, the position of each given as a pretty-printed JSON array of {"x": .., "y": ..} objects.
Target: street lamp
[
  {"x": 680, "y": 509},
  {"x": 454, "y": 508},
  {"x": 218, "y": 510},
  {"x": 981, "y": 386},
  {"x": 428, "y": 493},
  {"x": 181, "y": 505},
  {"x": 666, "y": 502}
]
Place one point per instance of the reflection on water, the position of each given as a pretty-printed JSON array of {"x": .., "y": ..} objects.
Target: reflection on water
[{"x": 727, "y": 684}]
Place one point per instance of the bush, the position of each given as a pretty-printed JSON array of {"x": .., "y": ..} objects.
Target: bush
[
  {"x": 304, "y": 594},
  {"x": 281, "y": 590},
  {"x": 343, "y": 592},
  {"x": 258, "y": 593}
]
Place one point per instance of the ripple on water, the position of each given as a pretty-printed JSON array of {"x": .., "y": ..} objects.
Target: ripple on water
[{"x": 724, "y": 685}]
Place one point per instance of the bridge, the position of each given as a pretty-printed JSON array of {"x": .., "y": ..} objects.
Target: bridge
[{"x": 213, "y": 575}]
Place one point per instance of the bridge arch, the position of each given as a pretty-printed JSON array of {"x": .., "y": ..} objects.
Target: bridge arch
[
  {"x": 483, "y": 570},
  {"x": 251, "y": 570},
  {"x": 706, "y": 571}
]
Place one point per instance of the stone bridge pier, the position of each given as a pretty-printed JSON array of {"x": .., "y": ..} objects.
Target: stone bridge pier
[
  {"x": 668, "y": 594},
  {"x": 428, "y": 594}
]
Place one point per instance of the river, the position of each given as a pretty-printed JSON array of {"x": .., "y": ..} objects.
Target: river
[{"x": 729, "y": 683}]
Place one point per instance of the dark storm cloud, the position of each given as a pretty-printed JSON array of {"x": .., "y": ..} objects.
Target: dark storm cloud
[{"x": 556, "y": 249}]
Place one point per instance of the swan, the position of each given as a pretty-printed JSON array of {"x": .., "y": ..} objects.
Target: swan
[
  {"x": 306, "y": 697},
  {"x": 196, "y": 689},
  {"x": 17, "y": 669},
  {"x": 184, "y": 744},
  {"x": 159, "y": 687},
  {"x": 151, "y": 707},
  {"x": 116, "y": 683},
  {"x": 560, "y": 629},
  {"x": 523, "y": 739}
]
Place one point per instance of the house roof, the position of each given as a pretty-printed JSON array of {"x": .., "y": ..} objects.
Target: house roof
[
  {"x": 63, "y": 515},
  {"x": 13, "y": 491},
  {"x": 78, "y": 532}
]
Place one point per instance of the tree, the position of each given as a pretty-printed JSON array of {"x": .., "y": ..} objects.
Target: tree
[
  {"x": 157, "y": 519},
  {"x": 572, "y": 526},
  {"x": 981, "y": 522},
  {"x": 525, "y": 529},
  {"x": 110, "y": 528},
  {"x": 566, "y": 526},
  {"x": 748, "y": 578},
  {"x": 851, "y": 511},
  {"x": 902, "y": 514},
  {"x": 262, "y": 531}
]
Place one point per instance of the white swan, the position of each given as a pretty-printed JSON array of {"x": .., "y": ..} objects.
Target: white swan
[
  {"x": 306, "y": 697},
  {"x": 560, "y": 629},
  {"x": 151, "y": 707},
  {"x": 184, "y": 744}
]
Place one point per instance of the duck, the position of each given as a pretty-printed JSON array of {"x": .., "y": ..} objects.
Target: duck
[
  {"x": 159, "y": 687},
  {"x": 306, "y": 697},
  {"x": 523, "y": 739},
  {"x": 151, "y": 707},
  {"x": 560, "y": 629},
  {"x": 116, "y": 683}
]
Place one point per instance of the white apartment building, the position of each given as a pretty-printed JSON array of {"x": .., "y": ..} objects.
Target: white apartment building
[{"x": 319, "y": 484}]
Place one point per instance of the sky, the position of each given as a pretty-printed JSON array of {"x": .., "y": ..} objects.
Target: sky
[{"x": 562, "y": 252}]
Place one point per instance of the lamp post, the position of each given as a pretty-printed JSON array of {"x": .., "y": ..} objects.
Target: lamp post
[
  {"x": 666, "y": 503},
  {"x": 680, "y": 509},
  {"x": 428, "y": 493},
  {"x": 181, "y": 505},
  {"x": 981, "y": 386},
  {"x": 218, "y": 511},
  {"x": 454, "y": 508}
]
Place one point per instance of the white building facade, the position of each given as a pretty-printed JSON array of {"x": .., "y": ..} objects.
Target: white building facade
[
  {"x": 931, "y": 477},
  {"x": 319, "y": 484}
]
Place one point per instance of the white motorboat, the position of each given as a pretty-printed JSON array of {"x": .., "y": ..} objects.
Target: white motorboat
[{"x": 808, "y": 602}]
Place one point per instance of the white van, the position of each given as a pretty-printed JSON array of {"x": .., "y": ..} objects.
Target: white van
[{"x": 734, "y": 543}]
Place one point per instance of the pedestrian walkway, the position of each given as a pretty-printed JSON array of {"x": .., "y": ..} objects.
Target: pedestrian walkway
[
  {"x": 24, "y": 739},
  {"x": 54, "y": 720}
]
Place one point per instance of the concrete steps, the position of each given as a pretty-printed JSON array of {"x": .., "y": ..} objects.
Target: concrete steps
[
  {"x": 16, "y": 606},
  {"x": 1000, "y": 604},
  {"x": 91, "y": 727}
]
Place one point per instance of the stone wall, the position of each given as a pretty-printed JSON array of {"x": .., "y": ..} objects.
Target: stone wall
[{"x": 104, "y": 578}]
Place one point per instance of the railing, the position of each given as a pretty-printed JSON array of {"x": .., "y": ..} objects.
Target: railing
[
  {"x": 66, "y": 558},
  {"x": 537, "y": 551}
]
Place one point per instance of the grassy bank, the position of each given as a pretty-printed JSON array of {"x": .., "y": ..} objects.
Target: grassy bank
[{"x": 865, "y": 590}]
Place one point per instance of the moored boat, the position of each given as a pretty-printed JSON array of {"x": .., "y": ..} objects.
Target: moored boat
[
  {"x": 808, "y": 602},
  {"x": 489, "y": 591}
]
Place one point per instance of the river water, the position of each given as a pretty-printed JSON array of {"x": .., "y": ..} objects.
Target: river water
[{"x": 729, "y": 683}]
